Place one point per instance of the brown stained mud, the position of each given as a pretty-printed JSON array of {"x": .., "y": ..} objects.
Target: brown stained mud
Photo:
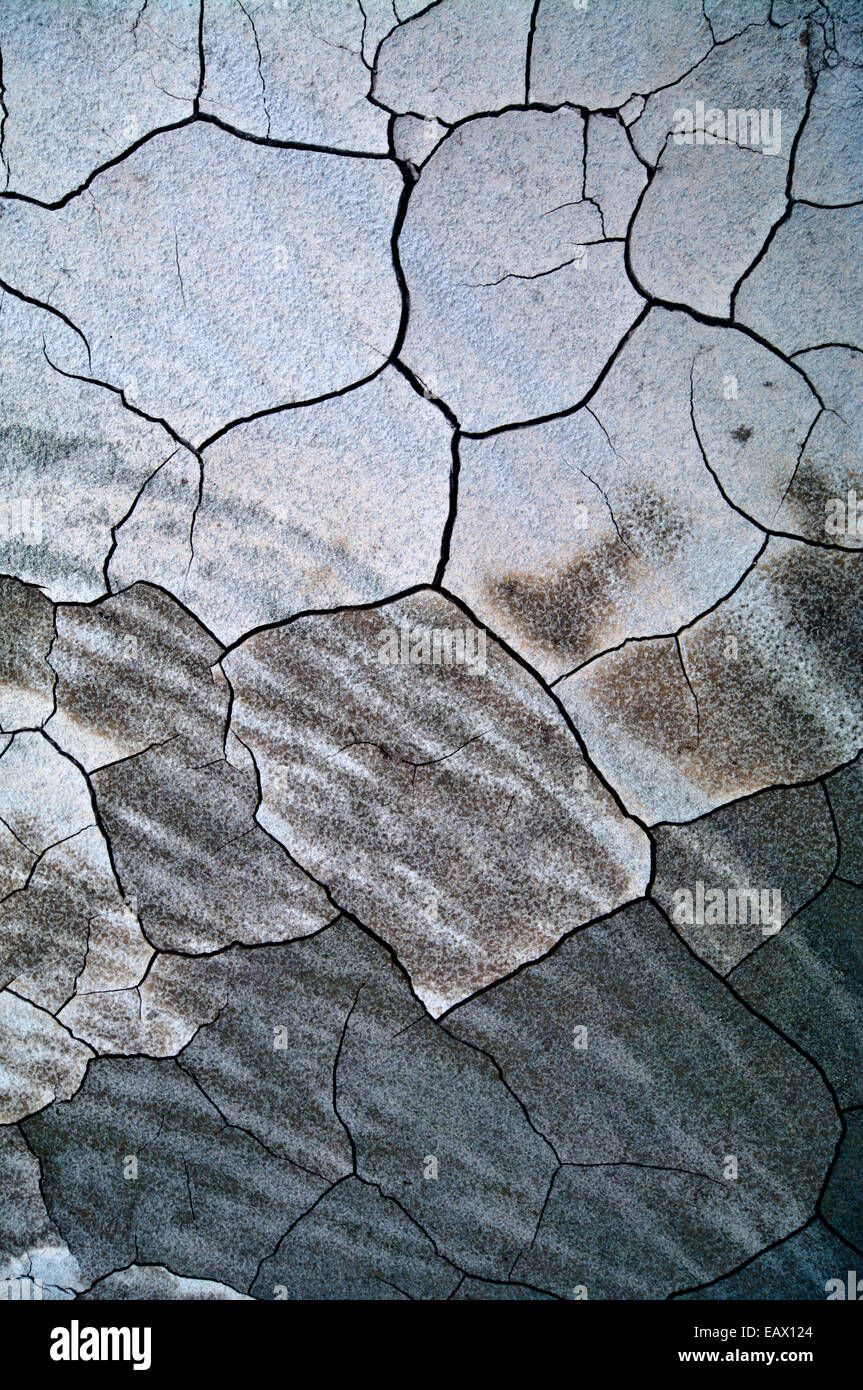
[
  {"x": 563, "y": 610},
  {"x": 643, "y": 690},
  {"x": 796, "y": 620},
  {"x": 575, "y": 610}
]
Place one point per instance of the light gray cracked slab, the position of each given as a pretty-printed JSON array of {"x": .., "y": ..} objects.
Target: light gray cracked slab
[
  {"x": 341, "y": 502},
  {"x": 40, "y": 1061},
  {"x": 807, "y": 263},
  {"x": 845, "y": 789},
  {"x": 843, "y": 1207},
  {"x": 69, "y": 927},
  {"x": 728, "y": 167},
  {"x": 72, "y": 458},
  {"x": 523, "y": 301},
  {"x": 142, "y": 704},
  {"x": 697, "y": 260},
  {"x": 729, "y": 17},
  {"x": 155, "y": 1015},
  {"x": 613, "y": 175},
  {"x": 446, "y": 805},
  {"x": 631, "y": 110},
  {"x": 292, "y": 71},
  {"x": 83, "y": 82},
  {"x": 602, "y": 54},
  {"x": 790, "y": 11},
  {"x": 573, "y": 535},
  {"x": 824, "y": 491},
  {"x": 829, "y": 167},
  {"x": 415, "y": 138},
  {"x": 764, "y": 68},
  {"x": 763, "y": 690},
  {"x": 45, "y": 799},
  {"x": 270, "y": 268},
  {"x": 829, "y": 164},
  {"x": 454, "y": 59},
  {"x": 761, "y": 428}
]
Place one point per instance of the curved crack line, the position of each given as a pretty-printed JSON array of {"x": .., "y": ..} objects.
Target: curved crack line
[
  {"x": 728, "y": 1274},
  {"x": 529, "y": 49},
  {"x": 202, "y": 62},
  {"x": 570, "y": 409},
  {"x": 539, "y": 274},
  {"x": 4, "y": 116},
  {"x": 789, "y": 206},
  {"x": 459, "y": 603},
  {"x": 785, "y": 1038},
  {"x": 187, "y": 1069},
  {"x": 118, "y": 525},
  {"x": 800, "y": 454},
  {"x": 118, "y": 391},
  {"x": 692, "y": 693},
  {"x": 261, "y": 77},
  {"x": 195, "y": 117},
  {"x": 23, "y": 887},
  {"x": 48, "y": 309},
  {"x": 760, "y": 791},
  {"x": 336, "y": 1061},
  {"x": 759, "y": 526},
  {"x": 370, "y": 95},
  {"x": 362, "y": 52},
  {"x": 666, "y": 636}
]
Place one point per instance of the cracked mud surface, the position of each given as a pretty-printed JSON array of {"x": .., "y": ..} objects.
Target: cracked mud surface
[{"x": 431, "y": 805}]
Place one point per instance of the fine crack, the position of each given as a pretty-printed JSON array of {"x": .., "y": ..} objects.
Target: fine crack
[{"x": 261, "y": 77}]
